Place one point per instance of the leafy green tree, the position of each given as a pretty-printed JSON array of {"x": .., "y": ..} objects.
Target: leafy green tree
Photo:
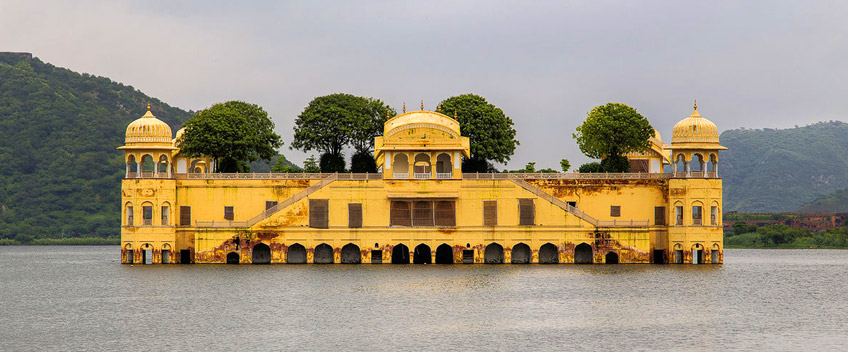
[
  {"x": 331, "y": 163},
  {"x": 311, "y": 165},
  {"x": 332, "y": 122},
  {"x": 611, "y": 131},
  {"x": 489, "y": 130},
  {"x": 565, "y": 165},
  {"x": 593, "y": 167},
  {"x": 233, "y": 133}
]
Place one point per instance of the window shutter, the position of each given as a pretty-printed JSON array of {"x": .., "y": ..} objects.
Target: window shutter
[
  {"x": 318, "y": 213},
  {"x": 445, "y": 213},
  {"x": 228, "y": 213},
  {"x": 185, "y": 216},
  {"x": 422, "y": 213},
  {"x": 659, "y": 215},
  {"x": 490, "y": 213},
  {"x": 400, "y": 214},
  {"x": 615, "y": 210},
  {"x": 354, "y": 215},
  {"x": 526, "y": 212},
  {"x": 270, "y": 204}
]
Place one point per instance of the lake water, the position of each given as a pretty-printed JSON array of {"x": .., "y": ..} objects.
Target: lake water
[{"x": 80, "y": 298}]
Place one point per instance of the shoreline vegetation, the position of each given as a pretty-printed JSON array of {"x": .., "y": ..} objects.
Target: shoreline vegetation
[
  {"x": 747, "y": 236},
  {"x": 70, "y": 241}
]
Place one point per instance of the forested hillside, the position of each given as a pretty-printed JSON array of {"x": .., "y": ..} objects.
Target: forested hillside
[
  {"x": 772, "y": 170},
  {"x": 59, "y": 170},
  {"x": 836, "y": 202}
]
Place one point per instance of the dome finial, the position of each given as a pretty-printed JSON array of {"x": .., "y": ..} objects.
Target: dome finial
[
  {"x": 422, "y": 105},
  {"x": 148, "y": 106},
  {"x": 439, "y": 108},
  {"x": 696, "y": 104},
  {"x": 404, "y": 107}
]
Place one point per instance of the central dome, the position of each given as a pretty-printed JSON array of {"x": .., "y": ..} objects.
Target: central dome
[
  {"x": 148, "y": 130},
  {"x": 694, "y": 129},
  {"x": 422, "y": 118}
]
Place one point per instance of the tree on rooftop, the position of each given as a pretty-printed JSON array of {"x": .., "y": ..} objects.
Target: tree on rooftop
[
  {"x": 610, "y": 132},
  {"x": 488, "y": 129},
  {"x": 232, "y": 133},
  {"x": 332, "y": 122}
]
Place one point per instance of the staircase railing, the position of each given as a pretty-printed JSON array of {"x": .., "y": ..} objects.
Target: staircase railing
[
  {"x": 573, "y": 210},
  {"x": 329, "y": 178},
  {"x": 291, "y": 200}
]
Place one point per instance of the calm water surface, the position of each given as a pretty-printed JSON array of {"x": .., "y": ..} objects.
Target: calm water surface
[{"x": 80, "y": 298}]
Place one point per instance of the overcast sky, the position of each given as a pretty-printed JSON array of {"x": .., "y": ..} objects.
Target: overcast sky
[{"x": 749, "y": 64}]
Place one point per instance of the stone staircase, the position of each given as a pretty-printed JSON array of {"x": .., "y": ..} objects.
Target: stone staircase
[{"x": 573, "y": 210}]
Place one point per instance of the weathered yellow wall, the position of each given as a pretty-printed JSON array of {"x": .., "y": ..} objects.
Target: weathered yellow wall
[{"x": 637, "y": 199}]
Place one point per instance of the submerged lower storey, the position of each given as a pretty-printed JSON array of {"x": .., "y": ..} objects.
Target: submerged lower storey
[{"x": 539, "y": 245}]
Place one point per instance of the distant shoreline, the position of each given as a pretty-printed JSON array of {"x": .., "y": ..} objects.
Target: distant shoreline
[{"x": 73, "y": 241}]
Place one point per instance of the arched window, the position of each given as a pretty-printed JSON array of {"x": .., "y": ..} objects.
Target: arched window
[
  {"x": 132, "y": 166},
  {"x": 678, "y": 213},
  {"x": 422, "y": 166},
  {"x": 443, "y": 166},
  {"x": 401, "y": 166},
  {"x": 147, "y": 165},
  {"x": 166, "y": 214},
  {"x": 711, "y": 165},
  {"x": 697, "y": 213},
  {"x": 147, "y": 214},
  {"x": 697, "y": 164},
  {"x": 680, "y": 164},
  {"x": 164, "y": 166},
  {"x": 128, "y": 214}
]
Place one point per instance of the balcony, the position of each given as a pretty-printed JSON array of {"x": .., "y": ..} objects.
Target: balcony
[
  {"x": 401, "y": 175},
  {"x": 443, "y": 175},
  {"x": 422, "y": 175}
]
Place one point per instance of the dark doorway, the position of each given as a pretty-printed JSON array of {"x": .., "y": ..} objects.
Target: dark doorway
[
  {"x": 323, "y": 254},
  {"x": 714, "y": 256},
  {"x": 147, "y": 256},
  {"x": 467, "y": 256},
  {"x": 400, "y": 254},
  {"x": 351, "y": 254},
  {"x": 261, "y": 254},
  {"x": 376, "y": 256},
  {"x": 185, "y": 256},
  {"x": 166, "y": 256},
  {"x": 611, "y": 258},
  {"x": 521, "y": 254},
  {"x": 678, "y": 256},
  {"x": 232, "y": 258},
  {"x": 296, "y": 254},
  {"x": 548, "y": 254},
  {"x": 130, "y": 256},
  {"x": 444, "y": 254},
  {"x": 659, "y": 256},
  {"x": 583, "y": 254},
  {"x": 422, "y": 255},
  {"x": 697, "y": 256},
  {"x": 493, "y": 254}
]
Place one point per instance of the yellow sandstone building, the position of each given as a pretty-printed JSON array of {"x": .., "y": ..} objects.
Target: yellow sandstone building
[{"x": 421, "y": 208}]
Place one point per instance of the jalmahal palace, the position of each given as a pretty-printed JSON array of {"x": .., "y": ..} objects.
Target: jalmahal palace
[{"x": 421, "y": 208}]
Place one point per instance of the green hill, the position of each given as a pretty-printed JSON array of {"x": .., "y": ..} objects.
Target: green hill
[
  {"x": 773, "y": 170},
  {"x": 59, "y": 170},
  {"x": 836, "y": 202}
]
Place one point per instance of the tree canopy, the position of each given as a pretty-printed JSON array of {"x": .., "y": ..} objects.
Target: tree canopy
[
  {"x": 489, "y": 130},
  {"x": 611, "y": 131},
  {"x": 233, "y": 133},
  {"x": 331, "y": 122}
]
